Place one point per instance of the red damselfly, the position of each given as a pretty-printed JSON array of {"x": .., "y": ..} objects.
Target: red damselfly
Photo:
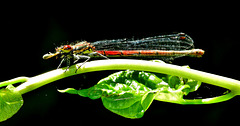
[{"x": 165, "y": 47}]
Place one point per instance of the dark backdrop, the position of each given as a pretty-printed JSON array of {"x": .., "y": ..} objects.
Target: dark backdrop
[{"x": 26, "y": 38}]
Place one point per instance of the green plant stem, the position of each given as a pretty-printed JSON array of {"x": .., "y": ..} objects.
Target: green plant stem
[
  {"x": 209, "y": 100},
  {"x": 14, "y": 81},
  {"x": 123, "y": 64}
]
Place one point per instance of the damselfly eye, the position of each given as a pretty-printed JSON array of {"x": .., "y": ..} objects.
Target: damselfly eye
[{"x": 67, "y": 47}]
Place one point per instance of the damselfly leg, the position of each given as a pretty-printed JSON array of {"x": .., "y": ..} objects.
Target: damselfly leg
[
  {"x": 67, "y": 59},
  {"x": 78, "y": 57},
  {"x": 61, "y": 63}
]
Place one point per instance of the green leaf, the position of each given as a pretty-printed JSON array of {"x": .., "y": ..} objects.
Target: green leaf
[
  {"x": 10, "y": 102},
  {"x": 174, "y": 81},
  {"x": 171, "y": 95},
  {"x": 194, "y": 85},
  {"x": 69, "y": 90},
  {"x": 130, "y": 93}
]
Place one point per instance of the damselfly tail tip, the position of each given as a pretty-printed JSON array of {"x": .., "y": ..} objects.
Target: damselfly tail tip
[{"x": 197, "y": 52}]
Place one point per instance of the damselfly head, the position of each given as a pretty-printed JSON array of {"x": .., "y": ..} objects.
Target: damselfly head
[
  {"x": 67, "y": 48},
  {"x": 64, "y": 49}
]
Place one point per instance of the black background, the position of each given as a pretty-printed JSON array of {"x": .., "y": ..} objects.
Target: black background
[{"x": 25, "y": 38}]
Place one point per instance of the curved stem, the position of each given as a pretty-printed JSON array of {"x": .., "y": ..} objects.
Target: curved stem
[
  {"x": 209, "y": 100},
  {"x": 14, "y": 81},
  {"x": 123, "y": 64}
]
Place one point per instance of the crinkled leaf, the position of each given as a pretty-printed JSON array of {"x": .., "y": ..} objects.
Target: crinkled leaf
[
  {"x": 172, "y": 95},
  {"x": 10, "y": 102},
  {"x": 130, "y": 93},
  {"x": 128, "y": 106},
  {"x": 194, "y": 85},
  {"x": 174, "y": 81}
]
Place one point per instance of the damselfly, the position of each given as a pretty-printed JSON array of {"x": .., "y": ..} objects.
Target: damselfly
[{"x": 165, "y": 47}]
